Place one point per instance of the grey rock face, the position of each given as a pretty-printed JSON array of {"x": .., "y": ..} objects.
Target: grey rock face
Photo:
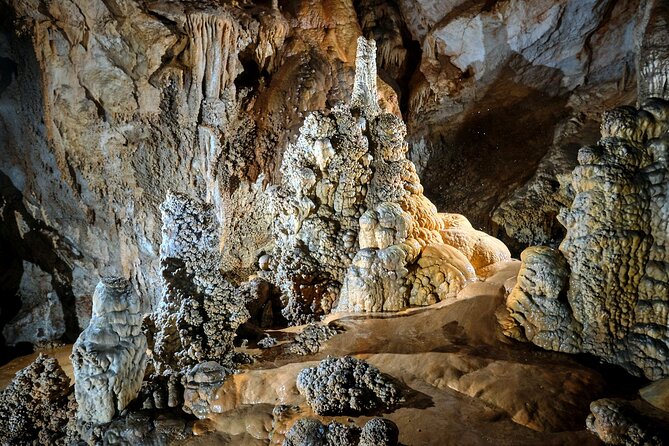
[
  {"x": 37, "y": 406},
  {"x": 616, "y": 256},
  {"x": 339, "y": 386},
  {"x": 653, "y": 57},
  {"x": 41, "y": 316},
  {"x": 200, "y": 310},
  {"x": 109, "y": 357}
]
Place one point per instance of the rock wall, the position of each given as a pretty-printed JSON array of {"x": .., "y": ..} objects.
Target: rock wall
[{"x": 606, "y": 291}]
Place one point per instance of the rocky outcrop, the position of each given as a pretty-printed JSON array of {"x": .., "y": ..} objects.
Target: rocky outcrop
[
  {"x": 339, "y": 386},
  {"x": 481, "y": 62},
  {"x": 37, "y": 407},
  {"x": 200, "y": 310},
  {"x": 609, "y": 294},
  {"x": 200, "y": 387},
  {"x": 97, "y": 97},
  {"x": 354, "y": 227},
  {"x": 109, "y": 357},
  {"x": 41, "y": 317},
  {"x": 310, "y": 339}
]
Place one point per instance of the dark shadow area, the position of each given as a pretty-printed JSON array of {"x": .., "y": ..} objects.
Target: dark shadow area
[
  {"x": 485, "y": 153},
  {"x": 34, "y": 245}
]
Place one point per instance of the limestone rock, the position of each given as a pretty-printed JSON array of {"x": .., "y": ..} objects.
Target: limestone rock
[
  {"x": 200, "y": 310},
  {"x": 41, "y": 316},
  {"x": 354, "y": 228},
  {"x": 37, "y": 406},
  {"x": 617, "y": 422},
  {"x": 201, "y": 384},
  {"x": 339, "y": 386},
  {"x": 616, "y": 299},
  {"x": 109, "y": 357},
  {"x": 379, "y": 432},
  {"x": 311, "y": 432},
  {"x": 653, "y": 57},
  {"x": 310, "y": 339}
]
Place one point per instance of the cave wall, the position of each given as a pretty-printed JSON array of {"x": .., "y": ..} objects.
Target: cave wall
[{"x": 105, "y": 106}]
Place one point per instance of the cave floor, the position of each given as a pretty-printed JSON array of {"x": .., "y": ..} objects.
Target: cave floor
[{"x": 464, "y": 382}]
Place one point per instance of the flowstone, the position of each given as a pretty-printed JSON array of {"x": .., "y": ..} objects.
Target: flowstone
[
  {"x": 354, "y": 231},
  {"x": 109, "y": 357},
  {"x": 606, "y": 291}
]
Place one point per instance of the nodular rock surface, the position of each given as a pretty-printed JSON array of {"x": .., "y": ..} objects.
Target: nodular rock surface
[
  {"x": 200, "y": 310},
  {"x": 606, "y": 291},
  {"x": 38, "y": 406},
  {"x": 354, "y": 228},
  {"x": 109, "y": 357}
]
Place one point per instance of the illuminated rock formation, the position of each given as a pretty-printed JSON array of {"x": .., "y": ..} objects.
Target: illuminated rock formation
[
  {"x": 609, "y": 295},
  {"x": 354, "y": 225},
  {"x": 109, "y": 357},
  {"x": 200, "y": 310}
]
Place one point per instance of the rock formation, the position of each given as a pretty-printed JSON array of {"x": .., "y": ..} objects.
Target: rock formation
[
  {"x": 354, "y": 226},
  {"x": 41, "y": 316},
  {"x": 200, "y": 310},
  {"x": 109, "y": 357},
  {"x": 653, "y": 57},
  {"x": 340, "y": 386},
  {"x": 606, "y": 291},
  {"x": 311, "y": 432},
  {"x": 96, "y": 98},
  {"x": 617, "y": 422},
  {"x": 37, "y": 407}
]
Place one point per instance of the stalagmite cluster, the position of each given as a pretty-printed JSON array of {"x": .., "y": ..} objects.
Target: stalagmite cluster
[
  {"x": 109, "y": 358},
  {"x": 606, "y": 291},
  {"x": 200, "y": 310},
  {"x": 354, "y": 227}
]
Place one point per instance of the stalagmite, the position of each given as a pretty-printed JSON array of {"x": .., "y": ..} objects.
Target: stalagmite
[{"x": 109, "y": 357}]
